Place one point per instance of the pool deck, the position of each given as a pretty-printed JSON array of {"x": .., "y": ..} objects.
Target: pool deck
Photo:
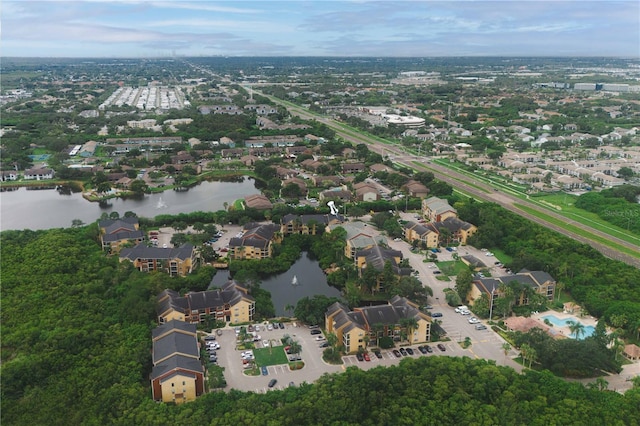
[
  {"x": 616, "y": 382},
  {"x": 564, "y": 330}
]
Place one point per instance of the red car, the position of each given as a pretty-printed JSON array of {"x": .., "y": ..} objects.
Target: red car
[{"x": 366, "y": 357}]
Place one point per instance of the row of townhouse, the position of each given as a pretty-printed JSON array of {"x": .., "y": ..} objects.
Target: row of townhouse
[
  {"x": 179, "y": 261},
  {"x": 256, "y": 242},
  {"x": 38, "y": 173},
  {"x": 569, "y": 169},
  {"x": 399, "y": 320},
  {"x": 539, "y": 282},
  {"x": 230, "y": 303},
  {"x": 177, "y": 375},
  {"x": 444, "y": 226},
  {"x": 114, "y": 233}
]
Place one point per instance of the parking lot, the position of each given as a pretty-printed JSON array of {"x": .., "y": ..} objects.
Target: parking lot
[{"x": 314, "y": 366}]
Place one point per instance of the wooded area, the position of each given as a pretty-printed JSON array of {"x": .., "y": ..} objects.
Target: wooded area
[{"x": 76, "y": 337}]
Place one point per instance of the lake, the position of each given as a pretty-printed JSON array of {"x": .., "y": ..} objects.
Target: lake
[
  {"x": 47, "y": 208},
  {"x": 311, "y": 281}
]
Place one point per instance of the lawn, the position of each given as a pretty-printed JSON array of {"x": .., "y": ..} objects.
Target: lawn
[
  {"x": 502, "y": 256},
  {"x": 452, "y": 267},
  {"x": 238, "y": 204},
  {"x": 270, "y": 356}
]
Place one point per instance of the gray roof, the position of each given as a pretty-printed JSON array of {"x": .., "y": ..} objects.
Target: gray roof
[
  {"x": 377, "y": 256},
  {"x": 120, "y": 229},
  {"x": 453, "y": 224},
  {"x": 418, "y": 228},
  {"x": 531, "y": 279},
  {"x": 175, "y": 343},
  {"x": 174, "y": 363},
  {"x": 474, "y": 261},
  {"x": 172, "y": 325},
  {"x": 438, "y": 205},
  {"x": 229, "y": 293},
  {"x": 141, "y": 251},
  {"x": 123, "y": 235},
  {"x": 322, "y": 219},
  {"x": 171, "y": 300}
]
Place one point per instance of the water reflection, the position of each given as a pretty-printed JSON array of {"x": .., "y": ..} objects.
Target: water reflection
[{"x": 309, "y": 281}]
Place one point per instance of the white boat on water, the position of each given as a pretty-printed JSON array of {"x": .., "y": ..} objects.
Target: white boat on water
[{"x": 294, "y": 281}]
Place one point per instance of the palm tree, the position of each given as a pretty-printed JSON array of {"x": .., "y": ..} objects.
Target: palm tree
[
  {"x": 410, "y": 324},
  {"x": 576, "y": 328},
  {"x": 332, "y": 339},
  {"x": 506, "y": 348},
  {"x": 296, "y": 347},
  {"x": 617, "y": 345},
  {"x": 377, "y": 328},
  {"x": 289, "y": 308},
  {"x": 528, "y": 353}
]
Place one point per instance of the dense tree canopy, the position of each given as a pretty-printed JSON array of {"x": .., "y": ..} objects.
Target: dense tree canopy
[{"x": 76, "y": 337}]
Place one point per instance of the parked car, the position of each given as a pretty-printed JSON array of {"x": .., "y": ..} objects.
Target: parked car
[
  {"x": 324, "y": 344},
  {"x": 410, "y": 351},
  {"x": 269, "y": 327},
  {"x": 291, "y": 384},
  {"x": 209, "y": 338},
  {"x": 397, "y": 353},
  {"x": 366, "y": 357},
  {"x": 316, "y": 331},
  {"x": 436, "y": 315},
  {"x": 265, "y": 343},
  {"x": 481, "y": 327},
  {"x": 403, "y": 351},
  {"x": 428, "y": 348},
  {"x": 473, "y": 320},
  {"x": 436, "y": 272},
  {"x": 272, "y": 383},
  {"x": 441, "y": 347},
  {"x": 320, "y": 338},
  {"x": 422, "y": 349},
  {"x": 377, "y": 354},
  {"x": 264, "y": 371},
  {"x": 281, "y": 326},
  {"x": 360, "y": 357}
]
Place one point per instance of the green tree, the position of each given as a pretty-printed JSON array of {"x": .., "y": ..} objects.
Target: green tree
[
  {"x": 577, "y": 328},
  {"x": 506, "y": 348},
  {"x": 139, "y": 186},
  {"x": 464, "y": 280}
]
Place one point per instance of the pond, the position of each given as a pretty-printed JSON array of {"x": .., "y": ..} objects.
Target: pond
[
  {"x": 305, "y": 278},
  {"x": 47, "y": 208}
]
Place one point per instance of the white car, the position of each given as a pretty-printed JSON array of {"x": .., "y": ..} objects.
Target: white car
[
  {"x": 465, "y": 312},
  {"x": 269, "y": 327},
  {"x": 320, "y": 338},
  {"x": 474, "y": 320},
  {"x": 265, "y": 343}
]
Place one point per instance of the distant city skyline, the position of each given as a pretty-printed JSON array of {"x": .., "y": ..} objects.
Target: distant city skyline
[{"x": 138, "y": 28}]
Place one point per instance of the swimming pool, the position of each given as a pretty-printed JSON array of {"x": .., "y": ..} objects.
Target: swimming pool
[{"x": 588, "y": 329}]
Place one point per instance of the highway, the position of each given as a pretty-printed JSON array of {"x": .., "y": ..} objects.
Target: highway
[{"x": 480, "y": 190}]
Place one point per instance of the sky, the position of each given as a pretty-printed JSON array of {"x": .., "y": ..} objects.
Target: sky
[{"x": 143, "y": 28}]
